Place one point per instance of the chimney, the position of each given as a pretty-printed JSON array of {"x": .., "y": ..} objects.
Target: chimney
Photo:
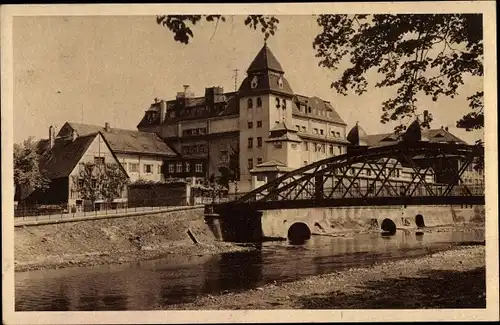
[
  {"x": 107, "y": 127},
  {"x": 446, "y": 128},
  {"x": 186, "y": 88},
  {"x": 52, "y": 137},
  {"x": 163, "y": 110}
]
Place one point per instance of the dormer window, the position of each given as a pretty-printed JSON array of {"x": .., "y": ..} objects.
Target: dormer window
[
  {"x": 250, "y": 103},
  {"x": 280, "y": 82},
  {"x": 254, "y": 82},
  {"x": 259, "y": 102}
]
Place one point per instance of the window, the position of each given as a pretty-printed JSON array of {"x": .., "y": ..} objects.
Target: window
[
  {"x": 259, "y": 142},
  {"x": 298, "y": 127},
  {"x": 250, "y": 143},
  {"x": 305, "y": 162},
  {"x": 259, "y": 124},
  {"x": 158, "y": 169},
  {"x": 276, "y": 122},
  {"x": 323, "y": 148},
  {"x": 368, "y": 172},
  {"x": 188, "y": 167},
  {"x": 203, "y": 130},
  {"x": 148, "y": 169},
  {"x": 340, "y": 149},
  {"x": 309, "y": 109},
  {"x": 333, "y": 134},
  {"x": 259, "y": 102},
  {"x": 171, "y": 168},
  {"x": 304, "y": 129},
  {"x": 250, "y": 103},
  {"x": 331, "y": 149},
  {"x": 294, "y": 146},
  {"x": 250, "y": 163},
  {"x": 278, "y": 145},
  {"x": 133, "y": 167},
  {"x": 201, "y": 148},
  {"x": 259, "y": 161},
  {"x": 315, "y": 131},
  {"x": 179, "y": 167},
  {"x": 261, "y": 178},
  {"x": 93, "y": 183},
  {"x": 199, "y": 167},
  {"x": 250, "y": 125},
  {"x": 338, "y": 134},
  {"x": 284, "y": 104},
  {"x": 99, "y": 160},
  {"x": 321, "y": 131},
  {"x": 306, "y": 146},
  {"x": 277, "y": 102},
  {"x": 315, "y": 147},
  {"x": 80, "y": 183}
]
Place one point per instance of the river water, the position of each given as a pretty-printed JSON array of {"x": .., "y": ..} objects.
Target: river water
[{"x": 143, "y": 285}]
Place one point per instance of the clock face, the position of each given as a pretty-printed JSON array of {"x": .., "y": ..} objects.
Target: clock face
[{"x": 254, "y": 82}]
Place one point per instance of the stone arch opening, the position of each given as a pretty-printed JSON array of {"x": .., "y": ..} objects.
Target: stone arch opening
[
  {"x": 299, "y": 232},
  {"x": 388, "y": 227},
  {"x": 419, "y": 221}
]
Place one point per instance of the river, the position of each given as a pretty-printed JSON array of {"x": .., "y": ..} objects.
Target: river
[{"x": 143, "y": 285}]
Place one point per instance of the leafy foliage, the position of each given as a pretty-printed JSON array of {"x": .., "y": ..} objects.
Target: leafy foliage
[
  {"x": 416, "y": 53},
  {"x": 180, "y": 25},
  {"x": 27, "y": 173},
  {"x": 102, "y": 181}
]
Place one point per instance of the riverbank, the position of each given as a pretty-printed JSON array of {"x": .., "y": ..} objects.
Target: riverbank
[
  {"x": 115, "y": 241},
  {"x": 454, "y": 278}
]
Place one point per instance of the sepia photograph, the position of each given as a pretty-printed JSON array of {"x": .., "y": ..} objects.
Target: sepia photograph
[{"x": 334, "y": 159}]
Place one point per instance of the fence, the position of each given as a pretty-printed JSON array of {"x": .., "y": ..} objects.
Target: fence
[
  {"x": 74, "y": 211},
  {"x": 49, "y": 212}
]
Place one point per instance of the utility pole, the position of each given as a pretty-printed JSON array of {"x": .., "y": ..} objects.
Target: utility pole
[{"x": 236, "y": 79}]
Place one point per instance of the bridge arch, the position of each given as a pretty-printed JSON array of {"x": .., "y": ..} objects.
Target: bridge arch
[
  {"x": 419, "y": 221},
  {"x": 299, "y": 232},
  {"x": 388, "y": 226}
]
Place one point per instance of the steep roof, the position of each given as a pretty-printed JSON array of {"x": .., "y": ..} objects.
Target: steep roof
[
  {"x": 356, "y": 136},
  {"x": 432, "y": 135},
  {"x": 265, "y": 82},
  {"x": 127, "y": 141},
  {"x": 64, "y": 155},
  {"x": 265, "y": 60},
  {"x": 320, "y": 109}
]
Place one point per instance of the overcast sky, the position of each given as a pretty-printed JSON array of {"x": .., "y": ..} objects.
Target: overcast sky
[{"x": 112, "y": 67}]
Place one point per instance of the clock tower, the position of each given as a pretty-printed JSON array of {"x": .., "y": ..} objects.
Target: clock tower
[{"x": 265, "y": 99}]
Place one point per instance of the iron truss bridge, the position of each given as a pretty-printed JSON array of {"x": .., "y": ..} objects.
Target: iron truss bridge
[{"x": 417, "y": 173}]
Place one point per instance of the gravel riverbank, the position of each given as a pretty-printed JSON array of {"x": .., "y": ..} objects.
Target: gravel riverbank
[{"x": 453, "y": 278}]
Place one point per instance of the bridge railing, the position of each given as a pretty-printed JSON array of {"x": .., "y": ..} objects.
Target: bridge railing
[{"x": 395, "y": 190}]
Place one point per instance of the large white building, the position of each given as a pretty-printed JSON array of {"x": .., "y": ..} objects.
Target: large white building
[{"x": 265, "y": 122}]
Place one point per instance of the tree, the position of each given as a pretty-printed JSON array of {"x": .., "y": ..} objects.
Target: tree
[
  {"x": 28, "y": 175},
  {"x": 105, "y": 181},
  {"x": 415, "y": 54}
]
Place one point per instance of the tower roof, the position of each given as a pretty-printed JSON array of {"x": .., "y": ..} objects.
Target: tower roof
[
  {"x": 265, "y": 60},
  {"x": 356, "y": 136}
]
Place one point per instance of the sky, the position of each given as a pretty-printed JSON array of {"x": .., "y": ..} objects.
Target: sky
[{"x": 97, "y": 69}]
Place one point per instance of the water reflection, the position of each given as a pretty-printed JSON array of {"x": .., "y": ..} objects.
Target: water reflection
[{"x": 140, "y": 286}]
